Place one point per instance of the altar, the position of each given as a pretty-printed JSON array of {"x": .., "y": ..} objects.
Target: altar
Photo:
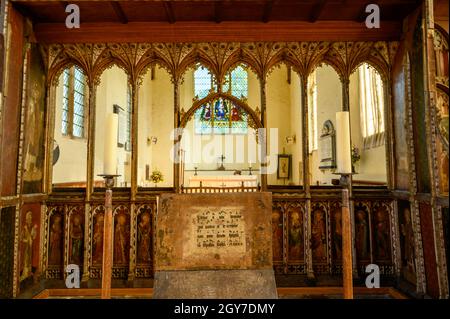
[{"x": 223, "y": 181}]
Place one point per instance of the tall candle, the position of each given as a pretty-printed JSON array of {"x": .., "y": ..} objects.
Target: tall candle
[
  {"x": 110, "y": 143},
  {"x": 343, "y": 152}
]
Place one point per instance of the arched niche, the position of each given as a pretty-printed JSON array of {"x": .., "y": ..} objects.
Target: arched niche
[
  {"x": 368, "y": 122},
  {"x": 284, "y": 126},
  {"x": 113, "y": 96},
  {"x": 155, "y": 123},
  {"x": 71, "y": 95}
]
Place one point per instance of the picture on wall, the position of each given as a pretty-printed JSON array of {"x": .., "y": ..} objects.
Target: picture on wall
[{"x": 284, "y": 166}]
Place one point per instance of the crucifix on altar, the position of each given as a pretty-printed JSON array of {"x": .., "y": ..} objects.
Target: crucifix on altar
[{"x": 221, "y": 167}]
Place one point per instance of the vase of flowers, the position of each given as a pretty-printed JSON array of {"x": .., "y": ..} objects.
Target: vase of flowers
[
  {"x": 356, "y": 156},
  {"x": 157, "y": 177}
]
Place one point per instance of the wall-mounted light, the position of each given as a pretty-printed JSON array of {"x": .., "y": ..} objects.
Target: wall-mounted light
[
  {"x": 152, "y": 140},
  {"x": 290, "y": 139}
]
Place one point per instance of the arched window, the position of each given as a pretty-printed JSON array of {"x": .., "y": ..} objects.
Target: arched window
[
  {"x": 73, "y": 107},
  {"x": 372, "y": 106},
  {"x": 221, "y": 116}
]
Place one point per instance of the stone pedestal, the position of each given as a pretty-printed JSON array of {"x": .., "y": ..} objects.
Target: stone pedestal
[{"x": 214, "y": 246}]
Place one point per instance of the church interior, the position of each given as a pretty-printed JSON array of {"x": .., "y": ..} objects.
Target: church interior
[{"x": 225, "y": 97}]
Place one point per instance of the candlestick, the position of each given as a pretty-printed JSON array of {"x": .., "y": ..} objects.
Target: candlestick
[
  {"x": 110, "y": 144},
  {"x": 107, "y": 238},
  {"x": 343, "y": 154}
]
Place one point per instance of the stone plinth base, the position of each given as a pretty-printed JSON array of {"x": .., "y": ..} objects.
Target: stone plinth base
[{"x": 215, "y": 284}]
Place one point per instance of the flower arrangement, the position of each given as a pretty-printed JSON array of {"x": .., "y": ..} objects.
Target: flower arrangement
[
  {"x": 355, "y": 155},
  {"x": 157, "y": 177}
]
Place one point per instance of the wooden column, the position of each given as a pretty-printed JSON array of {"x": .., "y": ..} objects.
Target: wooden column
[
  {"x": 107, "y": 241},
  {"x": 176, "y": 125},
  {"x": 348, "y": 247},
  {"x": 306, "y": 181},
  {"x": 389, "y": 131},
  {"x": 91, "y": 140},
  {"x": 134, "y": 138},
  {"x": 134, "y": 89},
  {"x": 49, "y": 136},
  {"x": 347, "y": 259},
  {"x": 346, "y": 107},
  {"x": 263, "y": 142},
  {"x": 89, "y": 174}
]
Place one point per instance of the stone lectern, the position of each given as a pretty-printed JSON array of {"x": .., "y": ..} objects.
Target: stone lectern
[{"x": 214, "y": 246}]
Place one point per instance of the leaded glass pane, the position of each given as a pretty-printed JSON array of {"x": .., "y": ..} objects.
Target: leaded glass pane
[
  {"x": 202, "y": 82},
  {"x": 239, "y": 82}
]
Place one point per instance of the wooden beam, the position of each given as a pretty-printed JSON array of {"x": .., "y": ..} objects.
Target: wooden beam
[
  {"x": 317, "y": 10},
  {"x": 169, "y": 12},
  {"x": 226, "y": 31},
  {"x": 267, "y": 11},
  {"x": 119, "y": 12},
  {"x": 218, "y": 11}
]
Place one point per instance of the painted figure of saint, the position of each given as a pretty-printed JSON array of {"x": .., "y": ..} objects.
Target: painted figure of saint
[
  {"x": 337, "y": 234},
  {"x": 121, "y": 239},
  {"x": 29, "y": 233},
  {"x": 76, "y": 240},
  {"x": 55, "y": 241},
  {"x": 235, "y": 116},
  {"x": 381, "y": 228},
  {"x": 220, "y": 110},
  {"x": 277, "y": 235},
  {"x": 206, "y": 116},
  {"x": 97, "y": 240},
  {"x": 144, "y": 239},
  {"x": 362, "y": 235},
  {"x": 318, "y": 236},
  {"x": 295, "y": 236},
  {"x": 408, "y": 242}
]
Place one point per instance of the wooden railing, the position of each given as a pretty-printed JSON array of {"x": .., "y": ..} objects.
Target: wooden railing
[{"x": 224, "y": 189}]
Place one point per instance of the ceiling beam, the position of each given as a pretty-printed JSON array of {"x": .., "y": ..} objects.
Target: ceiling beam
[
  {"x": 218, "y": 11},
  {"x": 317, "y": 10},
  {"x": 226, "y": 31},
  {"x": 169, "y": 12},
  {"x": 267, "y": 11},
  {"x": 119, "y": 12}
]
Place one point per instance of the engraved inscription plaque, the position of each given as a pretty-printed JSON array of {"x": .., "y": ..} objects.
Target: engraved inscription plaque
[{"x": 216, "y": 230}]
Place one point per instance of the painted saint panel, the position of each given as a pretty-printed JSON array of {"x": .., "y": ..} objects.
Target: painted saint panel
[
  {"x": 277, "y": 234},
  {"x": 381, "y": 240},
  {"x": 442, "y": 139},
  {"x": 76, "y": 237},
  {"x": 30, "y": 216},
  {"x": 295, "y": 234},
  {"x": 362, "y": 234},
  {"x": 336, "y": 231},
  {"x": 34, "y": 136},
  {"x": 97, "y": 236},
  {"x": 56, "y": 239},
  {"x": 144, "y": 237},
  {"x": 407, "y": 242},
  {"x": 319, "y": 235},
  {"x": 121, "y": 253}
]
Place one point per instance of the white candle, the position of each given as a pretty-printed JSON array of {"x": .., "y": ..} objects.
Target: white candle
[
  {"x": 343, "y": 152},
  {"x": 110, "y": 143}
]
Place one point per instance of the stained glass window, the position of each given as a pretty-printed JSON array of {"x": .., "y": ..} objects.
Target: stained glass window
[
  {"x": 202, "y": 82},
  {"x": 221, "y": 116},
  {"x": 65, "y": 105},
  {"x": 73, "y": 104},
  {"x": 78, "y": 105}
]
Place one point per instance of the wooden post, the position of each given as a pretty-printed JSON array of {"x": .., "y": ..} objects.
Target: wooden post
[
  {"x": 107, "y": 240},
  {"x": 347, "y": 260}
]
